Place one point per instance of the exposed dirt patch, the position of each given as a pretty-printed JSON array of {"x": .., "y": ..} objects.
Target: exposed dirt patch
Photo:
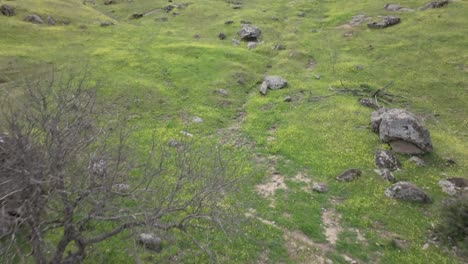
[
  {"x": 300, "y": 177},
  {"x": 301, "y": 249},
  {"x": 263, "y": 258},
  {"x": 330, "y": 220},
  {"x": 268, "y": 189}
]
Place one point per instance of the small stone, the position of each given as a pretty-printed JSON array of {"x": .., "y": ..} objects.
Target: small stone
[
  {"x": 386, "y": 175},
  {"x": 319, "y": 187},
  {"x": 425, "y": 246},
  {"x": 418, "y": 161},
  {"x": 150, "y": 241},
  {"x": 359, "y": 67},
  {"x": 349, "y": 175},
  {"x": 168, "y": 8},
  {"x": 175, "y": 13},
  {"x": 106, "y": 24},
  {"x": 187, "y": 134},
  {"x": 449, "y": 162},
  {"x": 251, "y": 45},
  {"x": 288, "y": 99},
  {"x": 229, "y": 22},
  {"x": 274, "y": 18},
  {"x": 301, "y": 14},
  {"x": 222, "y": 92},
  {"x": 317, "y": 77},
  {"x": 278, "y": 47},
  {"x": 109, "y": 2},
  {"x": 236, "y": 7},
  {"x": 221, "y": 36},
  {"x": 136, "y": 16},
  {"x": 197, "y": 120},
  {"x": 7, "y": 10},
  {"x": 35, "y": 19},
  {"x": 121, "y": 187},
  {"x": 235, "y": 42},
  {"x": 368, "y": 102},
  {"x": 173, "y": 143},
  {"x": 385, "y": 159},
  {"x": 50, "y": 20}
]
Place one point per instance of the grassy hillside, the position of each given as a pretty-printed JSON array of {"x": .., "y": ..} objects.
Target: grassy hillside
[{"x": 166, "y": 68}]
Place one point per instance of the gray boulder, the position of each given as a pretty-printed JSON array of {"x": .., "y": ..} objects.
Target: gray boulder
[
  {"x": 454, "y": 186},
  {"x": 150, "y": 241},
  {"x": 349, "y": 175},
  {"x": 249, "y": 33},
  {"x": 407, "y": 191},
  {"x": 7, "y": 10},
  {"x": 385, "y": 159},
  {"x": 273, "y": 83},
  {"x": 35, "y": 19},
  {"x": 387, "y": 21},
  {"x": 402, "y": 130}
]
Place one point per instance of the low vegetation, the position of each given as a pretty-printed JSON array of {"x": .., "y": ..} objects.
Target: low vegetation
[{"x": 166, "y": 73}]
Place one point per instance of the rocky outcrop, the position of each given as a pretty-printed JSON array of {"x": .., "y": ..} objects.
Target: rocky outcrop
[
  {"x": 402, "y": 130},
  {"x": 387, "y": 21},
  {"x": 407, "y": 191}
]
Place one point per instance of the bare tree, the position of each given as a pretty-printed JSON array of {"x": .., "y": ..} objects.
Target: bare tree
[{"x": 60, "y": 172}]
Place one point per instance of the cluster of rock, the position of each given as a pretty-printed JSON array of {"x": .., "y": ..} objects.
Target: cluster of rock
[{"x": 388, "y": 21}]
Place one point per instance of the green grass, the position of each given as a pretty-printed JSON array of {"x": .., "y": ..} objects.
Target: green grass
[{"x": 164, "y": 76}]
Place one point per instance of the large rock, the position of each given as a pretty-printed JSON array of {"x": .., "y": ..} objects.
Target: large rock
[
  {"x": 407, "y": 191},
  {"x": 35, "y": 19},
  {"x": 349, "y": 175},
  {"x": 385, "y": 159},
  {"x": 249, "y": 33},
  {"x": 387, "y": 21},
  {"x": 150, "y": 241},
  {"x": 7, "y": 10},
  {"x": 399, "y": 127},
  {"x": 273, "y": 83}
]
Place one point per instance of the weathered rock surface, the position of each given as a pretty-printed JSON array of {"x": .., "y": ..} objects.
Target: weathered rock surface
[
  {"x": 397, "y": 8},
  {"x": 272, "y": 82},
  {"x": 418, "y": 161},
  {"x": 249, "y": 33},
  {"x": 221, "y": 36},
  {"x": 407, "y": 191},
  {"x": 349, "y": 175},
  {"x": 385, "y": 159},
  {"x": 387, "y": 21},
  {"x": 435, "y": 4},
  {"x": 7, "y": 10},
  {"x": 402, "y": 130},
  {"x": 454, "y": 186},
  {"x": 35, "y": 19},
  {"x": 319, "y": 187},
  {"x": 150, "y": 241},
  {"x": 368, "y": 102}
]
